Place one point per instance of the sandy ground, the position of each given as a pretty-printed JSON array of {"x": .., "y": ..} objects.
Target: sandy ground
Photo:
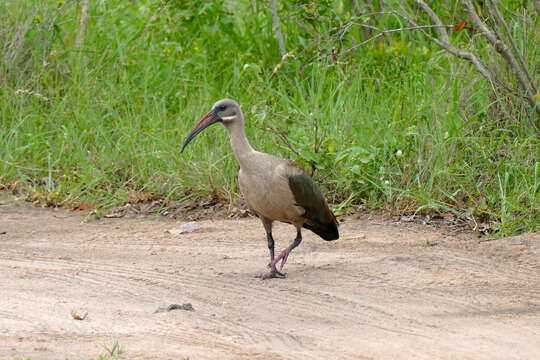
[{"x": 380, "y": 292}]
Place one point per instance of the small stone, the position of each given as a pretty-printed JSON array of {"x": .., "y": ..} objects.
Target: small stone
[
  {"x": 186, "y": 306},
  {"x": 188, "y": 227},
  {"x": 79, "y": 314},
  {"x": 184, "y": 228}
]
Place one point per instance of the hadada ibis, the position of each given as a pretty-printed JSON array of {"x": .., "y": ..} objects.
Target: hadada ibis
[{"x": 274, "y": 189}]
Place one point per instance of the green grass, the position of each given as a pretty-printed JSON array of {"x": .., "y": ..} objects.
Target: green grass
[
  {"x": 103, "y": 125},
  {"x": 113, "y": 353}
]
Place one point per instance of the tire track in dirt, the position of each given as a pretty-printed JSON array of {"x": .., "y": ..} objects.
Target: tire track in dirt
[
  {"x": 182, "y": 336},
  {"x": 104, "y": 275},
  {"x": 115, "y": 276},
  {"x": 349, "y": 295},
  {"x": 110, "y": 274}
]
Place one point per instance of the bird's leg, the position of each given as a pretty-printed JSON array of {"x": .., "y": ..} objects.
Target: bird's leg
[
  {"x": 274, "y": 273},
  {"x": 285, "y": 253},
  {"x": 270, "y": 246}
]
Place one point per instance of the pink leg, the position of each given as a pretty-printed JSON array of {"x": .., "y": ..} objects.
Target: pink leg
[
  {"x": 283, "y": 257},
  {"x": 285, "y": 253}
]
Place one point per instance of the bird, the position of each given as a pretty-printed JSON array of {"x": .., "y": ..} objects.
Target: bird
[{"x": 274, "y": 189}]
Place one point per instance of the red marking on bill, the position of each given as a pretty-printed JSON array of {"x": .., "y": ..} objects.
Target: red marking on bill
[{"x": 203, "y": 119}]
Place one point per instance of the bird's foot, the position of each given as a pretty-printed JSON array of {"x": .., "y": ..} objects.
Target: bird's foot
[{"x": 273, "y": 274}]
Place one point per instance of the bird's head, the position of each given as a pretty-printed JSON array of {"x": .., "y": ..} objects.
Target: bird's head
[{"x": 226, "y": 111}]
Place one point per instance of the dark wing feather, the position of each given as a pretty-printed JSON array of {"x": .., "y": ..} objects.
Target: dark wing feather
[{"x": 319, "y": 217}]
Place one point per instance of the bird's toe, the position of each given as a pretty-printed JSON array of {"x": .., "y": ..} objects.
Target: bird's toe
[{"x": 272, "y": 274}]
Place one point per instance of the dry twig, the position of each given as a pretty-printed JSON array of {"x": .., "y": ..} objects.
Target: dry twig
[
  {"x": 283, "y": 138},
  {"x": 503, "y": 49},
  {"x": 444, "y": 42},
  {"x": 517, "y": 54},
  {"x": 82, "y": 24},
  {"x": 277, "y": 28}
]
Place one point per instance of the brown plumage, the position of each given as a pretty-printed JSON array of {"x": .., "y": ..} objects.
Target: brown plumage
[{"x": 275, "y": 189}]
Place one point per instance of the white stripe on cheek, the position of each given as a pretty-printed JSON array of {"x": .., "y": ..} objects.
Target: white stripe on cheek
[{"x": 226, "y": 118}]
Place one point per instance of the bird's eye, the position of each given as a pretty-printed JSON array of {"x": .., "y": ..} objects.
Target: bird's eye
[{"x": 222, "y": 107}]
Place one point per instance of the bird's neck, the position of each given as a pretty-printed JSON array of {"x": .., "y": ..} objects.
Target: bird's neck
[{"x": 239, "y": 143}]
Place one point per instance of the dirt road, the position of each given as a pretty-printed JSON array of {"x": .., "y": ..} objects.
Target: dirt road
[{"x": 380, "y": 292}]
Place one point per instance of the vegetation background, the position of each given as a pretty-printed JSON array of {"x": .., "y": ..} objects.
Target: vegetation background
[{"x": 97, "y": 118}]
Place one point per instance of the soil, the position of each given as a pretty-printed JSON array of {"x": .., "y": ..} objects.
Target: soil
[{"x": 384, "y": 290}]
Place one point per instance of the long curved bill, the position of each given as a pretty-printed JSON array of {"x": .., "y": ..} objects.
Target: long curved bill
[{"x": 207, "y": 120}]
